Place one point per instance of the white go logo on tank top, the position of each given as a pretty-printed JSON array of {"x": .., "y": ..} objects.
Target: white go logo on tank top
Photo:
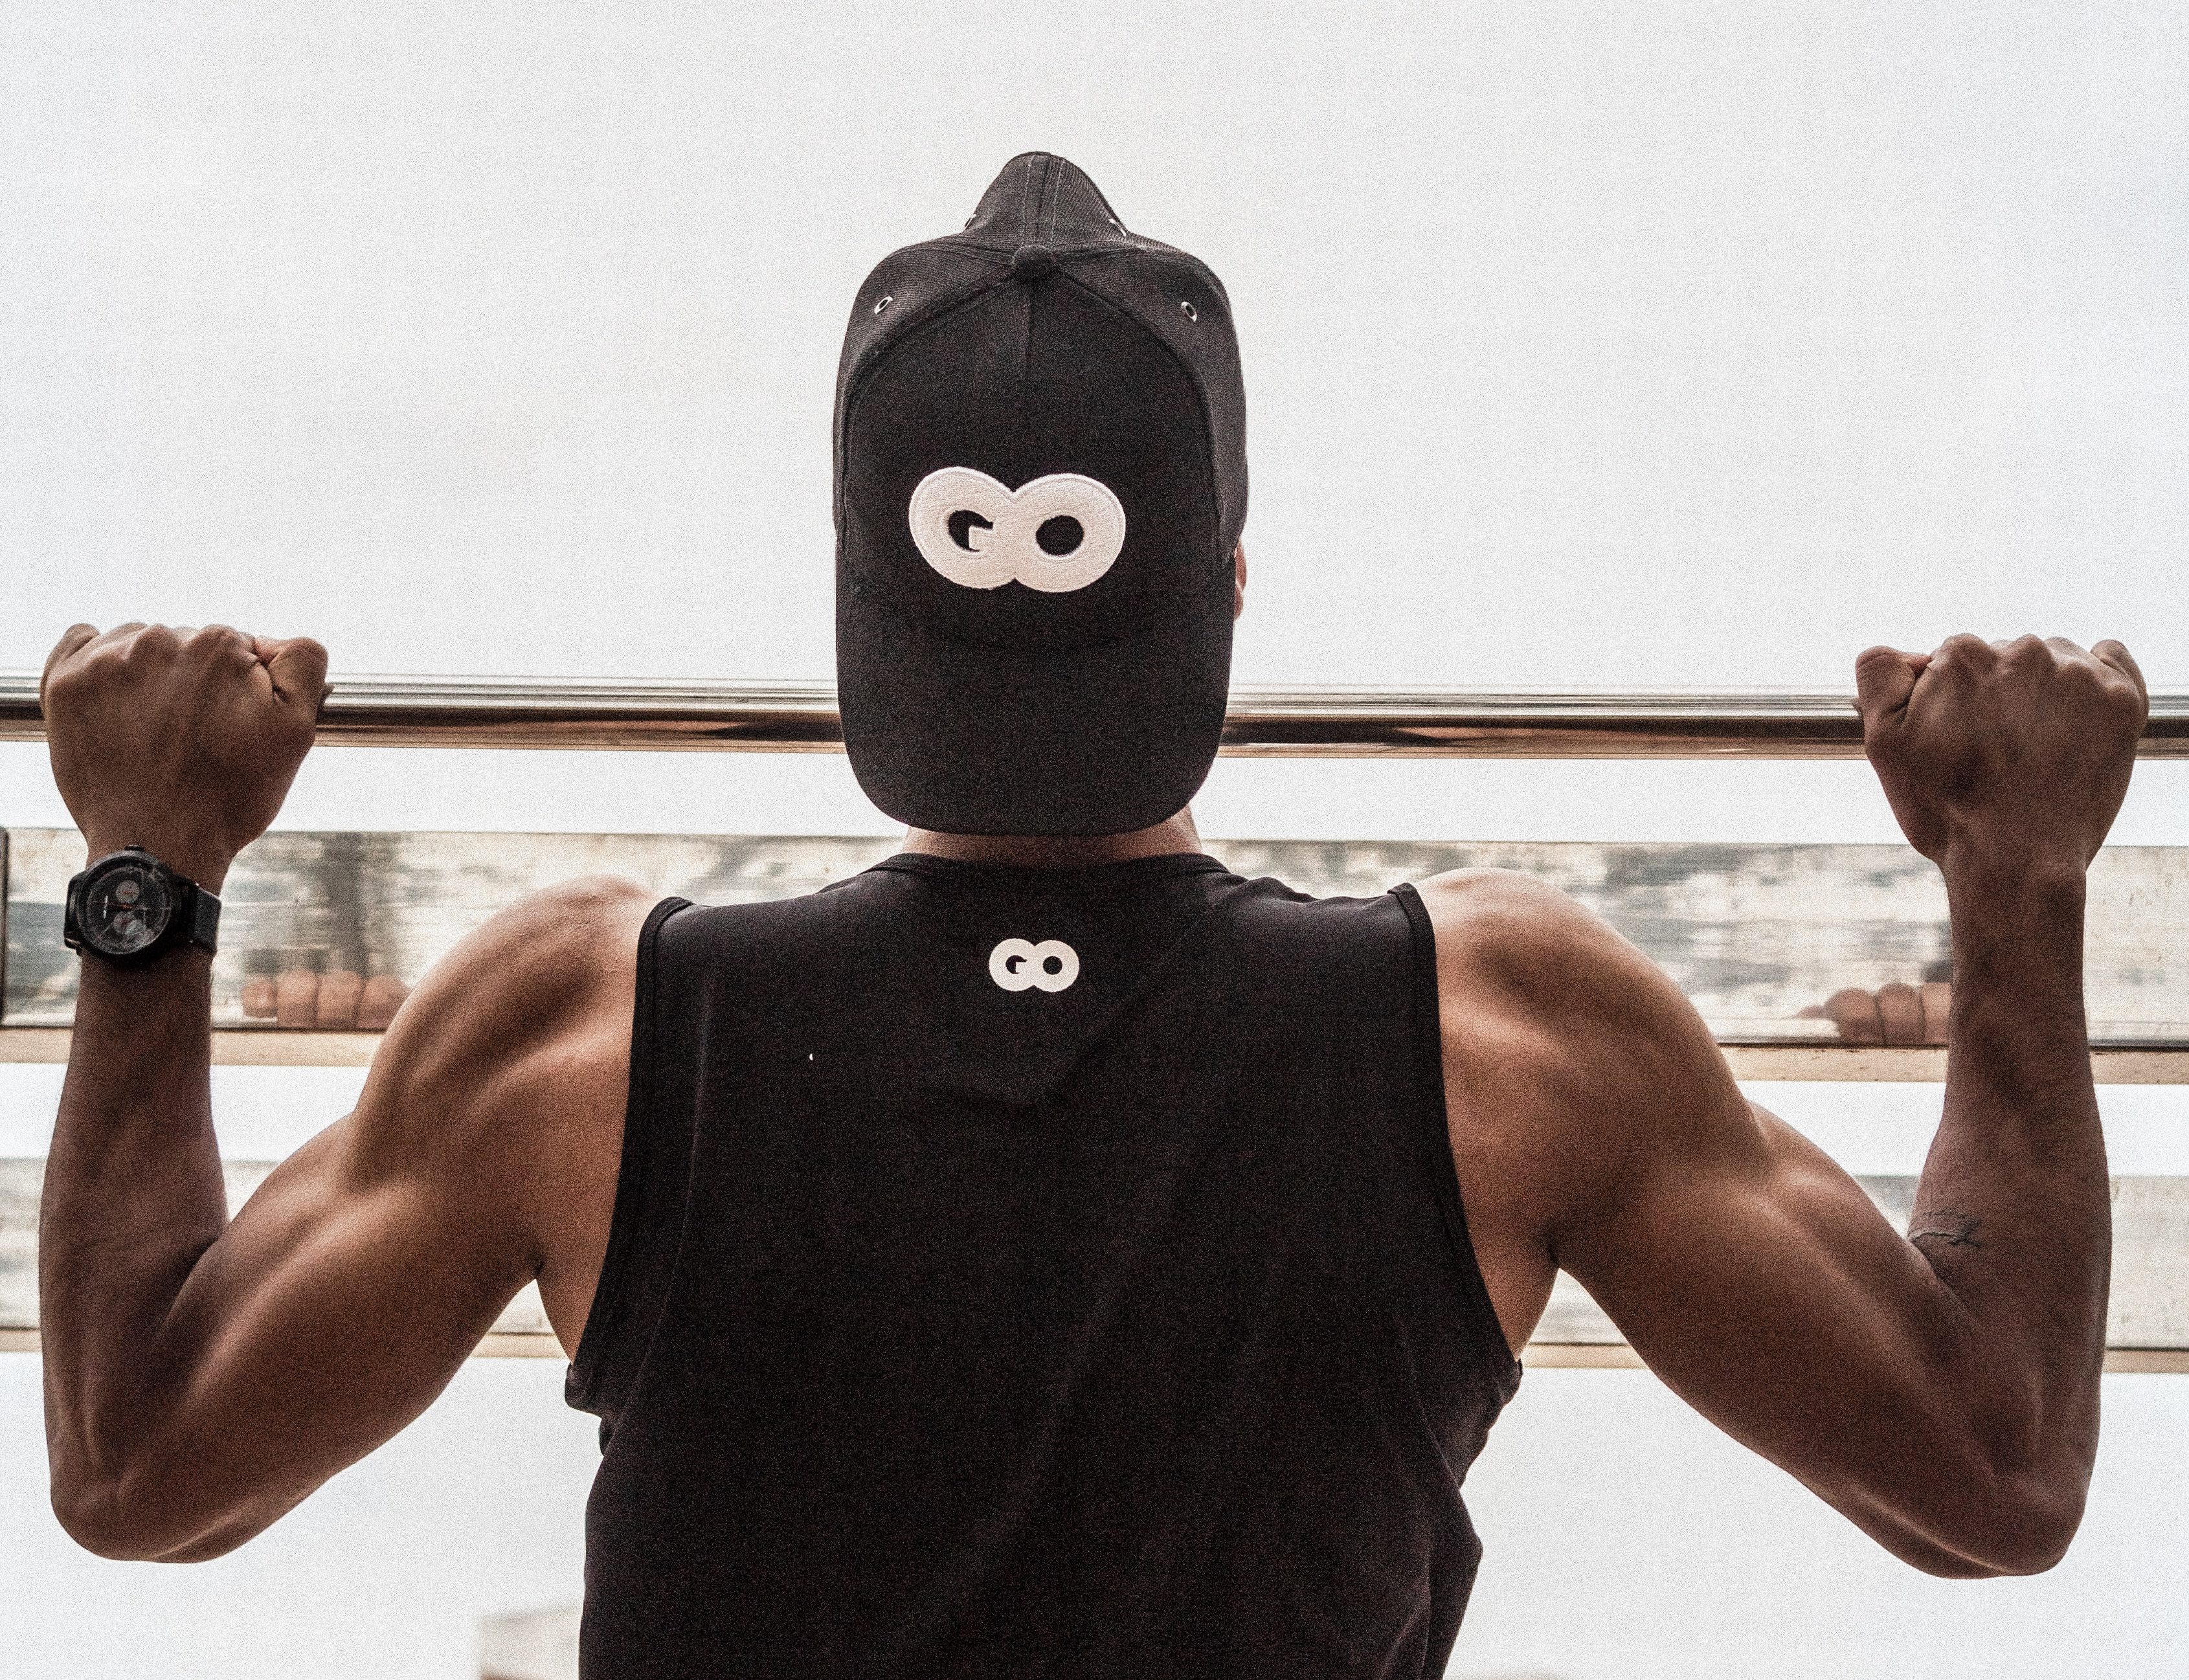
[{"x": 1016, "y": 963}]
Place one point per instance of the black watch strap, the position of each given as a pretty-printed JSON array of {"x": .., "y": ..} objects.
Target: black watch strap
[{"x": 198, "y": 923}]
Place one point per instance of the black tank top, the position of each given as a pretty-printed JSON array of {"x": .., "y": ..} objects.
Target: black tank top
[{"x": 1036, "y": 1272}]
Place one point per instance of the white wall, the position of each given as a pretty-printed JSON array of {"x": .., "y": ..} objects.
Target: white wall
[{"x": 1627, "y": 343}]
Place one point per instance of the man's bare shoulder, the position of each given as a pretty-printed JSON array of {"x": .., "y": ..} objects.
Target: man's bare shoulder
[
  {"x": 1570, "y": 1057},
  {"x": 498, "y": 1090},
  {"x": 1523, "y": 949},
  {"x": 522, "y": 1030}
]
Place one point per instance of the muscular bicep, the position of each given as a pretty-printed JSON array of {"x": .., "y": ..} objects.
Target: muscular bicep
[
  {"x": 1756, "y": 1277},
  {"x": 336, "y": 1304}
]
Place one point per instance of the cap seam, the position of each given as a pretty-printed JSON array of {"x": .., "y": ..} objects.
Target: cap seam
[
  {"x": 1028, "y": 193},
  {"x": 1193, "y": 380},
  {"x": 1055, "y": 193},
  {"x": 917, "y": 322}
]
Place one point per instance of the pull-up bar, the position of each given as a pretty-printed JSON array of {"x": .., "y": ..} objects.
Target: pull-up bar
[{"x": 581, "y": 712}]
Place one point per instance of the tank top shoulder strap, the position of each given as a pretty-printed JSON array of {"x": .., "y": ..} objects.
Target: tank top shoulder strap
[
  {"x": 1427, "y": 1034},
  {"x": 651, "y": 1181}
]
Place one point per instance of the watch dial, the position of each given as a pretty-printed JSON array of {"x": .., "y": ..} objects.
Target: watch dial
[{"x": 125, "y": 910}]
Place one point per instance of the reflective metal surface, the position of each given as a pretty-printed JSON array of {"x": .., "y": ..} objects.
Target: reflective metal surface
[
  {"x": 571, "y": 712},
  {"x": 1783, "y": 946}
]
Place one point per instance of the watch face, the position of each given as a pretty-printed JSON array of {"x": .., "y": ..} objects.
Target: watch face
[{"x": 124, "y": 910}]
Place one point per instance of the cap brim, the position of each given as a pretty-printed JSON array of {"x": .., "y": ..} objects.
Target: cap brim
[{"x": 1101, "y": 739}]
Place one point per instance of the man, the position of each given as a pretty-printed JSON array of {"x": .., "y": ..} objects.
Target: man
[{"x": 1046, "y": 1253}]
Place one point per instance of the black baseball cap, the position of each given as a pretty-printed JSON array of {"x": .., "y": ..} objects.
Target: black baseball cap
[{"x": 1040, "y": 475}]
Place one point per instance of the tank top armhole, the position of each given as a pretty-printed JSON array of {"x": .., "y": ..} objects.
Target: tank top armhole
[
  {"x": 613, "y": 1343},
  {"x": 1436, "y": 1132}
]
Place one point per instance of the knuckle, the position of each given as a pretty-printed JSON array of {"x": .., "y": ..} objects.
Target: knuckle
[
  {"x": 157, "y": 641},
  {"x": 2085, "y": 673},
  {"x": 209, "y": 643},
  {"x": 95, "y": 668},
  {"x": 1962, "y": 653}
]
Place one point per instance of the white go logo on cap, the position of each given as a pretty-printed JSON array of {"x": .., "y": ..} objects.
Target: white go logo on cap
[
  {"x": 1017, "y": 964},
  {"x": 1054, "y": 533}
]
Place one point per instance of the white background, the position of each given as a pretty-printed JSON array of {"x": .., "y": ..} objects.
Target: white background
[{"x": 1680, "y": 345}]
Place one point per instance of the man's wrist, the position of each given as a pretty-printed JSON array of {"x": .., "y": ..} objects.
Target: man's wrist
[
  {"x": 2017, "y": 932},
  {"x": 2012, "y": 872}
]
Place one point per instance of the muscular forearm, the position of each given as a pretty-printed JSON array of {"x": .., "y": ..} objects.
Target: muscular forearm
[
  {"x": 132, "y": 1197},
  {"x": 2013, "y": 1212}
]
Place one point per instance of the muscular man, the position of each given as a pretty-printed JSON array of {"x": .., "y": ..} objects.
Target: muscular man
[{"x": 1046, "y": 1253}]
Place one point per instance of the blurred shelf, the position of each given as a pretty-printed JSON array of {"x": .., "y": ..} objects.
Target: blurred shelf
[
  {"x": 1618, "y": 1356},
  {"x": 269, "y": 1047},
  {"x": 1537, "y": 1355}
]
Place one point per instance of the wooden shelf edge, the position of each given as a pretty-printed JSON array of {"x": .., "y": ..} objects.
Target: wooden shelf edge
[
  {"x": 519, "y": 1344},
  {"x": 1925, "y": 1064},
  {"x": 231, "y": 1048},
  {"x": 1851, "y": 1064},
  {"x": 1539, "y": 1355},
  {"x": 1618, "y": 1356}
]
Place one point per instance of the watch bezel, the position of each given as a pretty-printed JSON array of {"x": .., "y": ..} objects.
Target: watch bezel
[{"x": 176, "y": 890}]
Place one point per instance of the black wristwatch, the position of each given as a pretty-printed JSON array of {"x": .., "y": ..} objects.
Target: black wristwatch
[{"x": 128, "y": 906}]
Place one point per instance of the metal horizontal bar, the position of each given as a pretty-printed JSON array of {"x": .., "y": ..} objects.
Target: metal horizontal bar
[{"x": 583, "y": 712}]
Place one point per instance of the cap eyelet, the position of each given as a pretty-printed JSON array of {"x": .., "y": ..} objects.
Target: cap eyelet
[
  {"x": 1186, "y": 305},
  {"x": 883, "y": 303}
]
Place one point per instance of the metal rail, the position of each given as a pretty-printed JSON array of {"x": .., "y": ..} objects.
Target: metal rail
[{"x": 580, "y": 712}]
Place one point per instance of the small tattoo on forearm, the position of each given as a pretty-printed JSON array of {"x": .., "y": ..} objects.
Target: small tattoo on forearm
[{"x": 1943, "y": 1224}]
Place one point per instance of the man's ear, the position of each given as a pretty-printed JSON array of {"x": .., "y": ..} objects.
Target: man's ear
[{"x": 1239, "y": 579}]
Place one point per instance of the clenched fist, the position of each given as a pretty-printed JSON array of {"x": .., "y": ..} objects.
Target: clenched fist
[
  {"x": 2016, "y": 753},
  {"x": 181, "y": 741}
]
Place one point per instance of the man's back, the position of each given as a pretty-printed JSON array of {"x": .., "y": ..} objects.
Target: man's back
[{"x": 1036, "y": 1271}]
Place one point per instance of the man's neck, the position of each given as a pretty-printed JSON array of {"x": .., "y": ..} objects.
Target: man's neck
[{"x": 1060, "y": 852}]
